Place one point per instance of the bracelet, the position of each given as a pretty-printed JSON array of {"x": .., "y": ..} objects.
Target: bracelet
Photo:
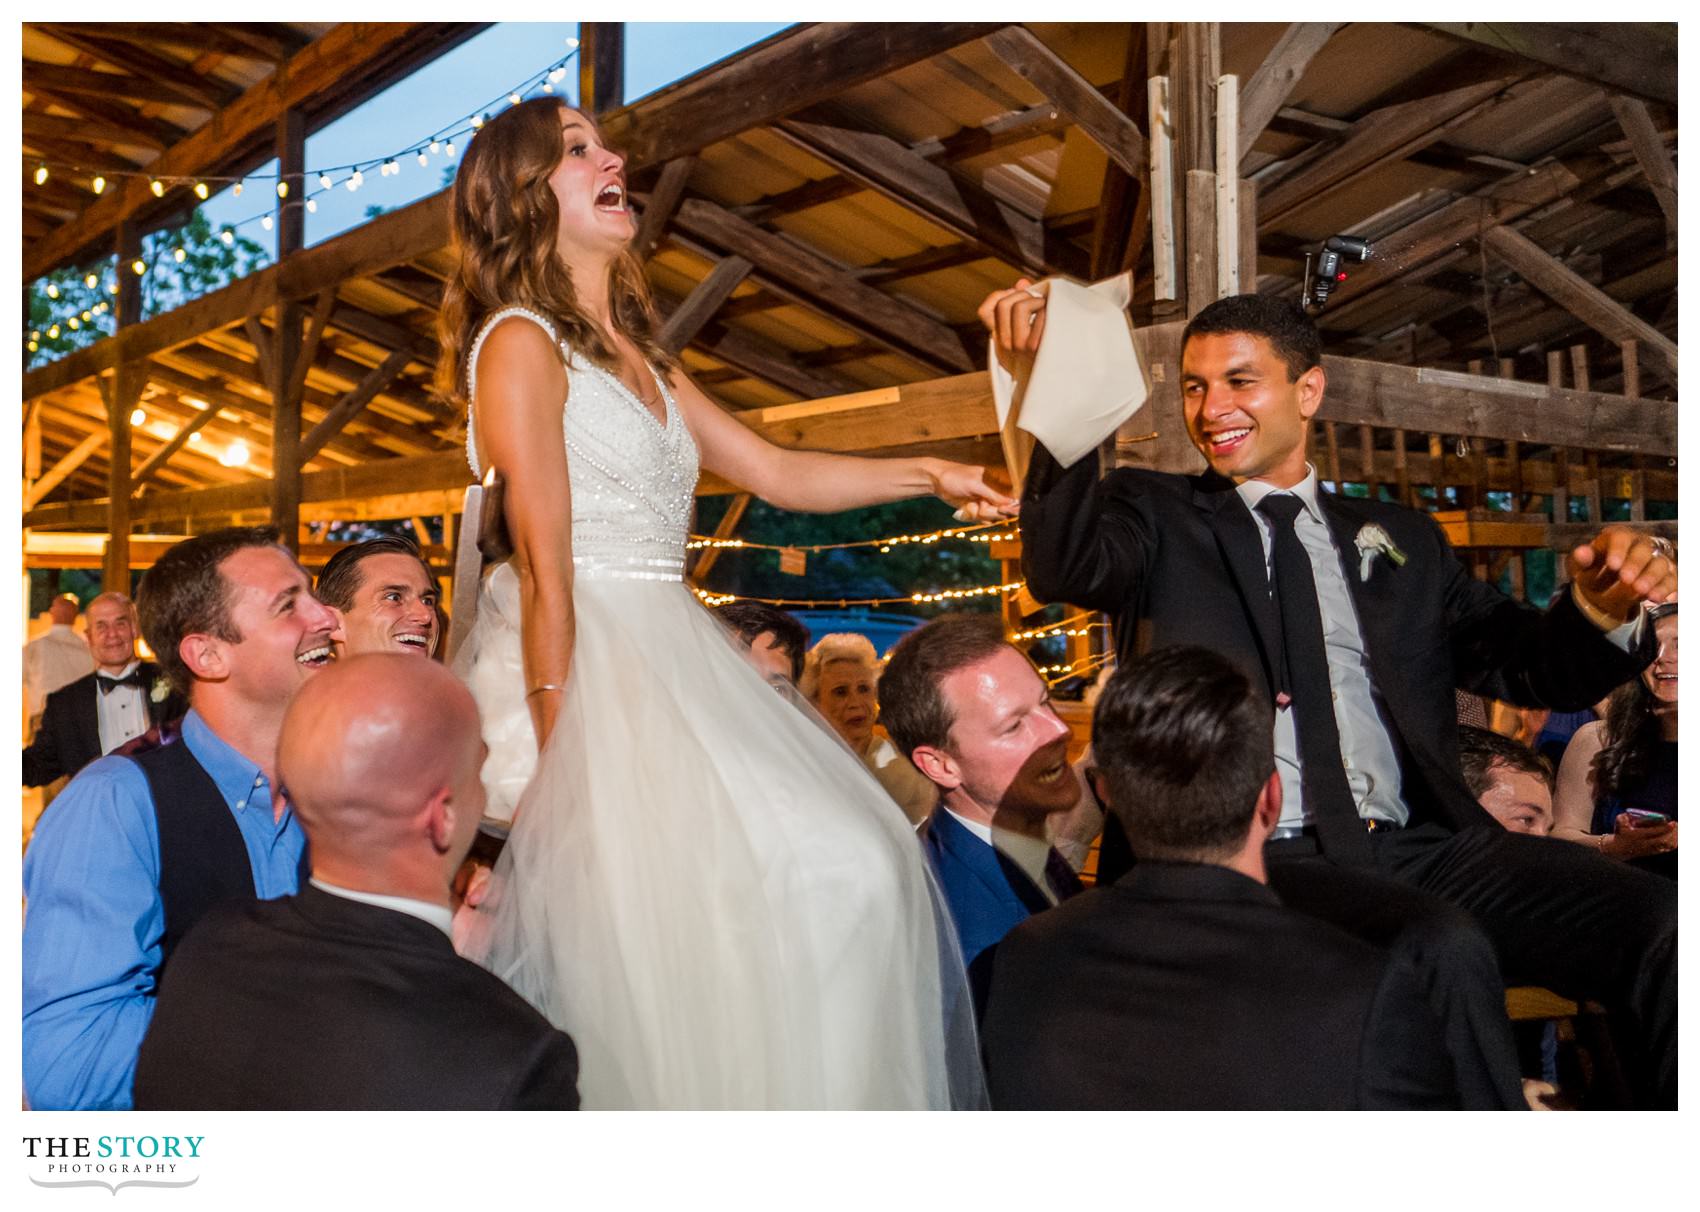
[{"x": 541, "y": 689}]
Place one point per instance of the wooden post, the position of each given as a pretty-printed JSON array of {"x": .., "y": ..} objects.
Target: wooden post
[
  {"x": 286, "y": 349},
  {"x": 1164, "y": 259},
  {"x": 1332, "y": 439},
  {"x": 601, "y": 65},
  {"x": 1402, "y": 470},
  {"x": 1227, "y": 186},
  {"x": 1560, "y": 456},
  {"x": 122, "y": 393},
  {"x": 1366, "y": 446}
]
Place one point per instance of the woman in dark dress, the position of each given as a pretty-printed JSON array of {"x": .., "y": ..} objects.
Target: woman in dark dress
[{"x": 1625, "y": 765}]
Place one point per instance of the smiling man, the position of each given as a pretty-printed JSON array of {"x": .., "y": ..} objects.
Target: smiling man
[
  {"x": 136, "y": 850},
  {"x": 384, "y": 595},
  {"x": 1356, "y": 622},
  {"x": 969, "y": 709}
]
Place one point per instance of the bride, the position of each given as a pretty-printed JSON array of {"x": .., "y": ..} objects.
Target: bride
[{"x": 702, "y": 886}]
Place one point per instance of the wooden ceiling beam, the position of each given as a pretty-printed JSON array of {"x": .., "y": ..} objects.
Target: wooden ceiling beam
[
  {"x": 269, "y": 40},
  {"x": 75, "y": 80},
  {"x": 1638, "y": 58},
  {"x": 146, "y": 131},
  {"x": 829, "y": 287},
  {"x": 84, "y": 130},
  {"x": 1073, "y": 94},
  {"x": 246, "y": 121},
  {"x": 1650, "y": 153},
  {"x": 663, "y": 202},
  {"x": 1578, "y": 296},
  {"x": 140, "y": 63},
  {"x": 792, "y": 70},
  {"x": 191, "y": 36},
  {"x": 1267, "y": 89},
  {"x": 1386, "y": 136},
  {"x": 952, "y": 202},
  {"x": 353, "y": 403},
  {"x": 700, "y": 305},
  {"x": 57, "y": 474}
]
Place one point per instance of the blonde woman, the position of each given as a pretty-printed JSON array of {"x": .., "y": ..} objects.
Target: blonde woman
[
  {"x": 840, "y": 680},
  {"x": 717, "y": 902}
]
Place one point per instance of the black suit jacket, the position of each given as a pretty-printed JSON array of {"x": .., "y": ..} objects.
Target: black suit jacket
[
  {"x": 316, "y": 1002},
  {"x": 1179, "y": 560},
  {"x": 1192, "y": 987},
  {"x": 69, "y": 736}
]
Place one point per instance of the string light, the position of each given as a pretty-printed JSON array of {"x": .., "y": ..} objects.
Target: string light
[
  {"x": 266, "y": 222},
  {"x": 235, "y": 455},
  {"x": 513, "y": 99},
  {"x": 312, "y": 206},
  {"x": 74, "y": 323},
  {"x": 41, "y": 174},
  {"x": 201, "y": 190},
  {"x": 112, "y": 287},
  {"x": 942, "y": 595},
  {"x": 139, "y": 266},
  {"x": 325, "y": 181},
  {"x": 1061, "y": 673},
  {"x": 158, "y": 187},
  {"x": 139, "y": 417},
  {"x": 236, "y": 190},
  {"x": 424, "y": 160},
  {"x": 52, "y": 290},
  {"x": 98, "y": 184},
  {"x": 179, "y": 255},
  {"x": 973, "y": 534},
  {"x": 228, "y": 236},
  {"x": 1066, "y": 627},
  {"x": 283, "y": 189},
  {"x": 436, "y": 147},
  {"x": 91, "y": 281}
]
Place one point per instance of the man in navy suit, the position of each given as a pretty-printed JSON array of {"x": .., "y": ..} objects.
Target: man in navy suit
[
  {"x": 968, "y": 708},
  {"x": 116, "y": 703}
]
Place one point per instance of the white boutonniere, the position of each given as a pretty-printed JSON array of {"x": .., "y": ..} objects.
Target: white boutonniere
[
  {"x": 1372, "y": 541},
  {"x": 160, "y": 690}
]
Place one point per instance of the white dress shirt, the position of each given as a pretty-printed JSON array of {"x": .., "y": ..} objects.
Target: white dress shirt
[
  {"x": 1372, "y": 767},
  {"x": 123, "y": 710},
  {"x": 53, "y": 661},
  {"x": 1028, "y": 853},
  {"x": 439, "y": 916}
]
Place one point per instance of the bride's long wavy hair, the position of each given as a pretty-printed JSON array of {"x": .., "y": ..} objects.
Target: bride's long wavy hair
[{"x": 504, "y": 220}]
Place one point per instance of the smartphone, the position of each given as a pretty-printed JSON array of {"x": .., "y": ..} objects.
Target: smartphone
[{"x": 1640, "y": 818}]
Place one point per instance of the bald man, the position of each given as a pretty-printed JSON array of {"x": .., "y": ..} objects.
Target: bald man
[{"x": 349, "y": 995}]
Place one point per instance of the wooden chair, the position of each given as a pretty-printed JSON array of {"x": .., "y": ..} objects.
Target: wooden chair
[
  {"x": 1590, "y": 1072},
  {"x": 483, "y": 541}
]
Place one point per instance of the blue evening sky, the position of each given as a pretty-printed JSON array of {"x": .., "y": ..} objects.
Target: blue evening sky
[{"x": 476, "y": 76}]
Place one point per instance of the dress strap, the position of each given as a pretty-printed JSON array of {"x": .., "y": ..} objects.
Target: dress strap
[{"x": 489, "y": 326}]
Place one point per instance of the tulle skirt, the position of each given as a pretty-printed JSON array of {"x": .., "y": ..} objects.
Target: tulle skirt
[{"x": 704, "y": 887}]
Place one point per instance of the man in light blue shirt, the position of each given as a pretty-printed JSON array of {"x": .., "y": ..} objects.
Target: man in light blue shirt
[{"x": 115, "y": 874}]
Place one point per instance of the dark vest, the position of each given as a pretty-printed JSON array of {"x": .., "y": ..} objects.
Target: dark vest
[{"x": 203, "y": 860}]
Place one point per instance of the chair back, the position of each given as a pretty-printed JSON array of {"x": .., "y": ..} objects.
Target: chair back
[{"x": 483, "y": 541}]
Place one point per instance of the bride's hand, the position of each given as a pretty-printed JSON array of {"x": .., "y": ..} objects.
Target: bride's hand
[{"x": 980, "y": 494}]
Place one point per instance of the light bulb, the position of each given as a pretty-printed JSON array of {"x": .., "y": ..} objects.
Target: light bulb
[
  {"x": 236, "y": 190},
  {"x": 228, "y": 236},
  {"x": 478, "y": 120},
  {"x": 158, "y": 189},
  {"x": 558, "y": 74},
  {"x": 139, "y": 417},
  {"x": 283, "y": 189},
  {"x": 180, "y": 255},
  {"x": 195, "y": 437},
  {"x": 449, "y": 147},
  {"x": 266, "y": 222},
  {"x": 513, "y": 99},
  {"x": 359, "y": 178},
  {"x": 98, "y": 184},
  {"x": 312, "y": 206},
  {"x": 547, "y": 87},
  {"x": 33, "y": 346},
  {"x": 235, "y": 455},
  {"x": 41, "y": 174},
  {"x": 424, "y": 160},
  {"x": 88, "y": 316},
  {"x": 139, "y": 267},
  {"x": 91, "y": 281},
  {"x": 572, "y": 43},
  {"x": 52, "y": 290},
  {"x": 53, "y": 333},
  {"x": 201, "y": 190},
  {"x": 74, "y": 323},
  {"x": 112, "y": 286},
  {"x": 435, "y": 147},
  {"x": 324, "y": 180}
]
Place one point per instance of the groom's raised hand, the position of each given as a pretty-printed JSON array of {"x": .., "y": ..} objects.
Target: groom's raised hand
[
  {"x": 1619, "y": 569},
  {"x": 1016, "y": 320}
]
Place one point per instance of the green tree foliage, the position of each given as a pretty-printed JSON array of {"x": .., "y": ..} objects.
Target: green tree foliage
[{"x": 208, "y": 263}]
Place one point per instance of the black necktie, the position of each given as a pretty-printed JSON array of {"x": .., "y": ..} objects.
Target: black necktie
[
  {"x": 1063, "y": 882},
  {"x": 108, "y": 685},
  {"x": 1305, "y": 677}
]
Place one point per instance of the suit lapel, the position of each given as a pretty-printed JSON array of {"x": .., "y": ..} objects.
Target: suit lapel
[
  {"x": 979, "y": 859},
  {"x": 88, "y": 721},
  {"x": 1241, "y": 545}
]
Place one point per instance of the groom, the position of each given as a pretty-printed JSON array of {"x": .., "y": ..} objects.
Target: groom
[{"x": 1356, "y": 622}]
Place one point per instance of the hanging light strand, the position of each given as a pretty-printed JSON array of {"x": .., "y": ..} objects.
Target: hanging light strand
[{"x": 710, "y": 598}]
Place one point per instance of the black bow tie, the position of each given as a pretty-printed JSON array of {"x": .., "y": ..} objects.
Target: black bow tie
[{"x": 107, "y": 685}]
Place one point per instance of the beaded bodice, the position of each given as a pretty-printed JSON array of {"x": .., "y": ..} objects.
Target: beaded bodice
[{"x": 632, "y": 478}]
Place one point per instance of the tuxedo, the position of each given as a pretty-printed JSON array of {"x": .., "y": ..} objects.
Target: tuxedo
[
  {"x": 69, "y": 736},
  {"x": 988, "y": 893},
  {"x": 1191, "y": 987},
  {"x": 1180, "y": 560},
  {"x": 318, "y": 1002}
]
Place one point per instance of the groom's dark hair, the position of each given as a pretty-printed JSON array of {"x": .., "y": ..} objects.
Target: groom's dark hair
[{"x": 1281, "y": 322}]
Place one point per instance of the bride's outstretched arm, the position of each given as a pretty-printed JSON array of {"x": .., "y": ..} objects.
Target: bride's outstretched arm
[
  {"x": 521, "y": 385},
  {"x": 816, "y": 482}
]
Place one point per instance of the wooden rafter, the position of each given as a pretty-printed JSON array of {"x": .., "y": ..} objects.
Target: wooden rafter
[
  {"x": 1072, "y": 93},
  {"x": 1267, "y": 90},
  {"x": 1636, "y": 58},
  {"x": 701, "y": 304},
  {"x": 140, "y": 63},
  {"x": 350, "y": 406},
  {"x": 663, "y": 202}
]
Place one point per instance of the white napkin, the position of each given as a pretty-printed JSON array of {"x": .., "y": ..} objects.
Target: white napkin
[{"x": 1087, "y": 379}]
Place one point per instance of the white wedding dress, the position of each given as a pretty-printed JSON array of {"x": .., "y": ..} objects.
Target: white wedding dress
[{"x": 703, "y": 887}]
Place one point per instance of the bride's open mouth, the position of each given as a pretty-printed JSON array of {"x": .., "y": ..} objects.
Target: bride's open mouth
[{"x": 612, "y": 197}]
